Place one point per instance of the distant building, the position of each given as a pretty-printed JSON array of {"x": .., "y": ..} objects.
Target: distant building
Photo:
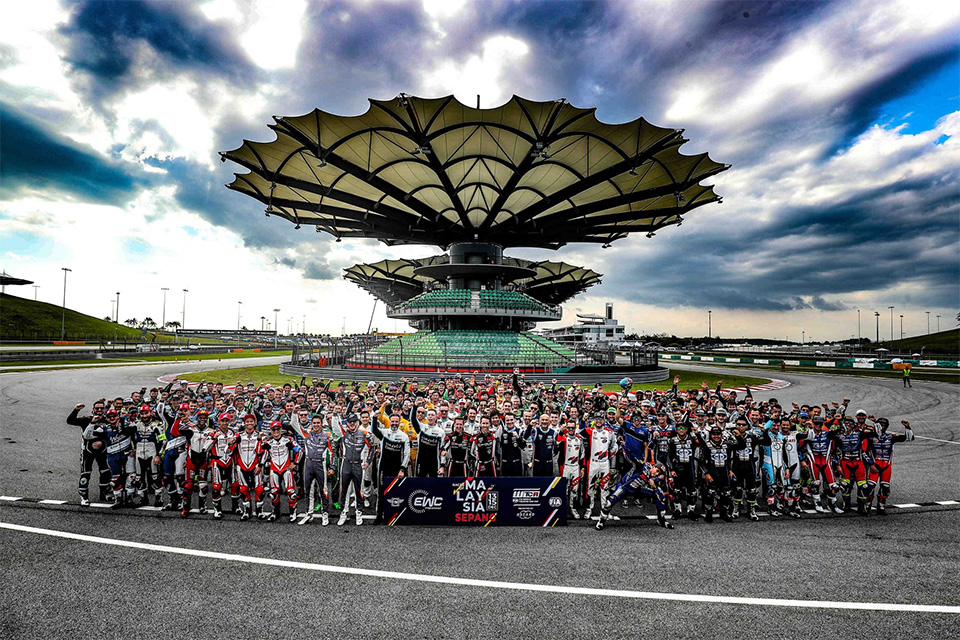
[{"x": 590, "y": 329}]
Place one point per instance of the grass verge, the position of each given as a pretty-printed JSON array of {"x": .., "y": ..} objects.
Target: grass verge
[
  {"x": 43, "y": 365},
  {"x": 270, "y": 374}
]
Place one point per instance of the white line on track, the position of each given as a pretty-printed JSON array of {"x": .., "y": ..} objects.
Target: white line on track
[
  {"x": 491, "y": 584},
  {"x": 936, "y": 439}
]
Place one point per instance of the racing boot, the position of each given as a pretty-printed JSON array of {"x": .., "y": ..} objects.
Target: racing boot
[
  {"x": 725, "y": 514},
  {"x": 662, "y": 520},
  {"x": 602, "y": 521},
  {"x": 119, "y": 501},
  {"x": 324, "y": 519},
  {"x": 244, "y": 514},
  {"x": 343, "y": 518},
  {"x": 202, "y": 504},
  {"x": 158, "y": 501},
  {"x": 881, "y": 509},
  {"x": 84, "y": 501},
  {"x": 735, "y": 511},
  {"x": 359, "y": 519},
  {"x": 217, "y": 514},
  {"x": 835, "y": 506},
  {"x": 294, "y": 515},
  {"x": 753, "y": 513},
  {"x": 273, "y": 516},
  {"x": 708, "y": 514},
  {"x": 185, "y": 512}
]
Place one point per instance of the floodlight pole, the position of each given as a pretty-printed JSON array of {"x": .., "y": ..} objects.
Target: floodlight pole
[
  {"x": 901, "y": 326},
  {"x": 183, "y": 311},
  {"x": 63, "y": 315},
  {"x": 938, "y": 324},
  {"x": 117, "y": 319},
  {"x": 928, "y": 322},
  {"x": 709, "y": 324},
  {"x": 877, "y": 314},
  {"x": 239, "y": 306},
  {"x": 858, "y": 328},
  {"x": 36, "y": 286},
  {"x": 891, "y": 323},
  {"x": 275, "y": 312},
  {"x": 163, "y": 315}
]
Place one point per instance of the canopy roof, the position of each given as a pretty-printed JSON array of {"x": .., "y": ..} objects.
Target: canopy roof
[
  {"x": 6, "y": 278},
  {"x": 393, "y": 281},
  {"x": 435, "y": 171}
]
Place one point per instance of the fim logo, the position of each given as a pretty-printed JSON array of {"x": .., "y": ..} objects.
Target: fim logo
[
  {"x": 420, "y": 501},
  {"x": 555, "y": 501}
]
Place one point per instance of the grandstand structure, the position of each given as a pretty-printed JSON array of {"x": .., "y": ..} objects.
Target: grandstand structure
[{"x": 474, "y": 182}]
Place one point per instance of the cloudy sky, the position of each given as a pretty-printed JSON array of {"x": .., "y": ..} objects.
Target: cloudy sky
[{"x": 841, "y": 121}]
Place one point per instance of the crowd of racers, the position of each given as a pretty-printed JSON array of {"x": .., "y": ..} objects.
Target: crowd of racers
[{"x": 318, "y": 447}]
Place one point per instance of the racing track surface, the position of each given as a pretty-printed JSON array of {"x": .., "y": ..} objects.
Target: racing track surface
[{"x": 76, "y": 588}]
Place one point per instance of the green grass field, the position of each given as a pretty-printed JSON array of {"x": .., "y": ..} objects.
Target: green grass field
[
  {"x": 36, "y": 365},
  {"x": 270, "y": 374},
  {"x": 944, "y": 342},
  {"x": 23, "y": 319}
]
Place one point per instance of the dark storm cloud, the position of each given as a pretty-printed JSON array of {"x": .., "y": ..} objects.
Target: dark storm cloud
[
  {"x": 867, "y": 242},
  {"x": 34, "y": 157},
  {"x": 200, "y": 190},
  {"x": 103, "y": 42},
  {"x": 627, "y": 61}
]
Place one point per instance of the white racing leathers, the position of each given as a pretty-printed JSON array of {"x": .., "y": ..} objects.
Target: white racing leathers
[{"x": 601, "y": 447}]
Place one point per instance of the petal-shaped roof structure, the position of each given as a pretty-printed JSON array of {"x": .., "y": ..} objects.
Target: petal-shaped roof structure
[
  {"x": 394, "y": 281},
  {"x": 435, "y": 171}
]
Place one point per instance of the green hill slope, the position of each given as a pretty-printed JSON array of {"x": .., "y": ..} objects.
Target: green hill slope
[
  {"x": 944, "y": 342},
  {"x": 22, "y": 319}
]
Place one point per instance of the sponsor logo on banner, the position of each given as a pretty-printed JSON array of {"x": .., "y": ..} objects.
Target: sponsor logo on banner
[
  {"x": 421, "y": 500},
  {"x": 476, "y": 502},
  {"x": 526, "y": 497}
]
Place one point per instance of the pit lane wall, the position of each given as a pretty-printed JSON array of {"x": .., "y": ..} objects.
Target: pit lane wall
[
  {"x": 854, "y": 364},
  {"x": 476, "y": 502}
]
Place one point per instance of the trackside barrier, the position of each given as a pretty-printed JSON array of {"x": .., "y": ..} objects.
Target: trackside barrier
[
  {"x": 820, "y": 363},
  {"x": 476, "y": 502}
]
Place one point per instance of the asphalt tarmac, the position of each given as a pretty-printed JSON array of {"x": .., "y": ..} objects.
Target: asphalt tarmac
[{"x": 72, "y": 588}]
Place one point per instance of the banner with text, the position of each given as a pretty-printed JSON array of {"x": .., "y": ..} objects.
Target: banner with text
[{"x": 520, "y": 501}]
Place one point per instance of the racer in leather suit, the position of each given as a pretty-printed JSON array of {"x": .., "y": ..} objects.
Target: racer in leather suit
[{"x": 643, "y": 477}]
